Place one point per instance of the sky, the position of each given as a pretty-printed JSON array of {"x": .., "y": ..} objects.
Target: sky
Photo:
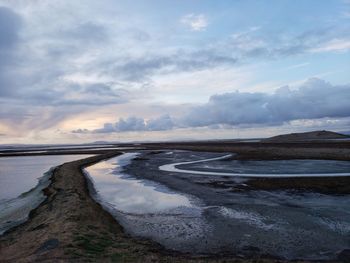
[{"x": 117, "y": 70}]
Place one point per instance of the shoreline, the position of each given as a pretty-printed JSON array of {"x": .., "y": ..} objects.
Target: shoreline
[{"x": 69, "y": 226}]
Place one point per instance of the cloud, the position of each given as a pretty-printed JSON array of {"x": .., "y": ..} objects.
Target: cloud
[
  {"x": 130, "y": 124},
  {"x": 337, "y": 45},
  {"x": 128, "y": 60},
  {"x": 10, "y": 24},
  {"x": 314, "y": 99},
  {"x": 107, "y": 128},
  {"x": 80, "y": 131},
  {"x": 195, "y": 22},
  {"x": 240, "y": 48},
  {"x": 162, "y": 123},
  {"x": 88, "y": 32},
  {"x": 138, "y": 69},
  {"x": 33, "y": 64},
  {"x": 300, "y": 65},
  {"x": 34, "y": 70}
]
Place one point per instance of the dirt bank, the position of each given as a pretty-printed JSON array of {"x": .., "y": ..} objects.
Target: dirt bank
[{"x": 70, "y": 227}]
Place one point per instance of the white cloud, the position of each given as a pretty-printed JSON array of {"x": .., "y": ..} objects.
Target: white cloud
[
  {"x": 102, "y": 57},
  {"x": 133, "y": 123},
  {"x": 312, "y": 100},
  {"x": 337, "y": 45},
  {"x": 195, "y": 22},
  {"x": 300, "y": 65}
]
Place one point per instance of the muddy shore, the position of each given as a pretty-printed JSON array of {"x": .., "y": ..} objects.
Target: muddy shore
[
  {"x": 236, "y": 209},
  {"x": 325, "y": 150},
  {"x": 71, "y": 227}
]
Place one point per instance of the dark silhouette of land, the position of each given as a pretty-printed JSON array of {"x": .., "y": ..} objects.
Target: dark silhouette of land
[{"x": 307, "y": 136}]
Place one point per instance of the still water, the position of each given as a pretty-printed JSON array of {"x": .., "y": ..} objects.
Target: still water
[
  {"x": 21, "y": 181},
  {"x": 182, "y": 211}
]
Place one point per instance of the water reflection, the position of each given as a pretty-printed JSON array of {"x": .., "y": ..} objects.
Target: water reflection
[
  {"x": 21, "y": 185},
  {"x": 130, "y": 195},
  {"x": 145, "y": 208},
  {"x": 285, "y": 224},
  {"x": 21, "y": 173}
]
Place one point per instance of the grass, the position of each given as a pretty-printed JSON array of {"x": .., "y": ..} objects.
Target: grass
[{"x": 92, "y": 246}]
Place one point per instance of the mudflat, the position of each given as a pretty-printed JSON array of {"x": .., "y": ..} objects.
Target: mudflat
[
  {"x": 69, "y": 226},
  {"x": 326, "y": 150}
]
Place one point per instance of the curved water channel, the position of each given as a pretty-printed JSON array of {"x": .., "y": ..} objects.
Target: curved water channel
[
  {"x": 172, "y": 167},
  {"x": 154, "y": 199}
]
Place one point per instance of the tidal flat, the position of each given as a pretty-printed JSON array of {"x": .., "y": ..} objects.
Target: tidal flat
[{"x": 182, "y": 217}]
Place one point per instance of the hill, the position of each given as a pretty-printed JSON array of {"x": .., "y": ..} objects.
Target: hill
[{"x": 306, "y": 136}]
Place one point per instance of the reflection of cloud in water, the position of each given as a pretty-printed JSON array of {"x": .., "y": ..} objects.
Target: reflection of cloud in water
[
  {"x": 148, "y": 209},
  {"x": 21, "y": 185},
  {"x": 130, "y": 195},
  {"x": 290, "y": 225}
]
